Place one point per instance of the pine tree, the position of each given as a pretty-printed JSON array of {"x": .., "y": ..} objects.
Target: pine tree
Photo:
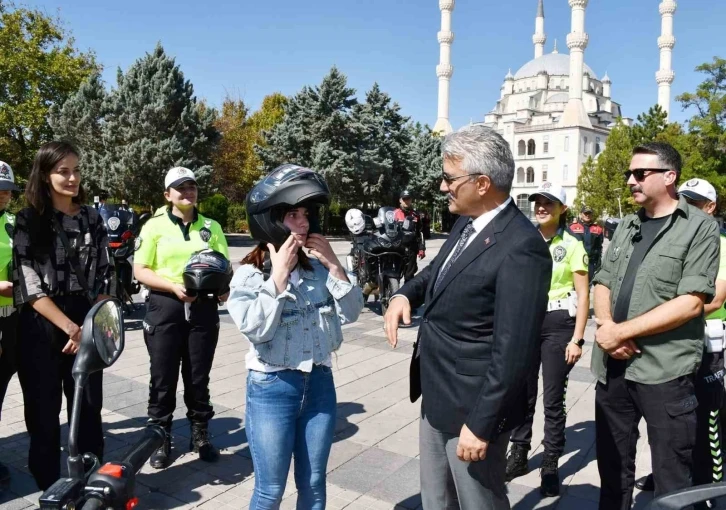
[
  {"x": 649, "y": 125},
  {"x": 316, "y": 132},
  {"x": 154, "y": 123},
  {"x": 79, "y": 120},
  {"x": 425, "y": 178},
  {"x": 382, "y": 148}
]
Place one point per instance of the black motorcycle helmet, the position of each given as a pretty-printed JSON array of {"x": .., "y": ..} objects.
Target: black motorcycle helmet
[
  {"x": 286, "y": 187},
  {"x": 207, "y": 272}
]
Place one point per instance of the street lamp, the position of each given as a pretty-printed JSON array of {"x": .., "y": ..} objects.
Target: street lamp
[{"x": 620, "y": 209}]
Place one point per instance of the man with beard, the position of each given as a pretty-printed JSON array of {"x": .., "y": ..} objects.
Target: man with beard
[{"x": 659, "y": 271}]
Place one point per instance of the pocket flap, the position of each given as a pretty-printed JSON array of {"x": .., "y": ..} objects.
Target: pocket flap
[
  {"x": 682, "y": 406},
  {"x": 472, "y": 366}
]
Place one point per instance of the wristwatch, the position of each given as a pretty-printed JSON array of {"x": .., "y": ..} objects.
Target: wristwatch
[{"x": 579, "y": 342}]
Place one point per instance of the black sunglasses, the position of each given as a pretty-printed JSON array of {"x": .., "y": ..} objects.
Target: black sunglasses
[
  {"x": 448, "y": 180},
  {"x": 639, "y": 173}
]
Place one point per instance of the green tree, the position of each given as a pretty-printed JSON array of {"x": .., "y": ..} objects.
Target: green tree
[
  {"x": 233, "y": 151},
  {"x": 154, "y": 122},
  {"x": 425, "y": 176},
  {"x": 40, "y": 67},
  {"x": 79, "y": 120},
  {"x": 649, "y": 125},
  {"x": 316, "y": 132},
  {"x": 601, "y": 181},
  {"x": 382, "y": 158}
]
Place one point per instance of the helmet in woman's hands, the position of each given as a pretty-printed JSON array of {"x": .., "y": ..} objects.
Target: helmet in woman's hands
[
  {"x": 286, "y": 187},
  {"x": 207, "y": 272}
]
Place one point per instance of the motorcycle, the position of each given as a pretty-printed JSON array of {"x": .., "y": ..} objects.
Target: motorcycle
[
  {"x": 377, "y": 258},
  {"x": 110, "y": 486},
  {"x": 123, "y": 227}
]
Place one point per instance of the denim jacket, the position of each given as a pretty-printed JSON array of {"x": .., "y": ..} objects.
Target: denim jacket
[{"x": 301, "y": 324}]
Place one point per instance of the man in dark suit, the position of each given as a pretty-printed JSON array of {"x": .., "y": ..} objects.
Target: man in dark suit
[{"x": 486, "y": 297}]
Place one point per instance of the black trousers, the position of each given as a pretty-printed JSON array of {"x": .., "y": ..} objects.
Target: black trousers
[
  {"x": 669, "y": 410},
  {"x": 45, "y": 375},
  {"x": 557, "y": 330},
  {"x": 410, "y": 264},
  {"x": 172, "y": 340},
  {"x": 708, "y": 454},
  {"x": 8, "y": 359}
]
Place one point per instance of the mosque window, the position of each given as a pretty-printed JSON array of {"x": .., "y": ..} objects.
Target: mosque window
[
  {"x": 530, "y": 175},
  {"x": 520, "y": 175},
  {"x": 531, "y": 146},
  {"x": 562, "y": 84},
  {"x": 546, "y": 147},
  {"x": 544, "y": 173},
  {"x": 565, "y": 173},
  {"x": 567, "y": 143},
  {"x": 597, "y": 145},
  {"x": 584, "y": 146},
  {"x": 521, "y": 148}
]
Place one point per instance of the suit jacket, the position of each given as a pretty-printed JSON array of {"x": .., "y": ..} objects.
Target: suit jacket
[{"x": 480, "y": 331}]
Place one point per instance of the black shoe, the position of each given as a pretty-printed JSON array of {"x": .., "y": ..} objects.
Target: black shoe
[
  {"x": 550, "y": 485},
  {"x": 645, "y": 484},
  {"x": 199, "y": 443},
  {"x": 517, "y": 462},
  {"x": 161, "y": 458}
]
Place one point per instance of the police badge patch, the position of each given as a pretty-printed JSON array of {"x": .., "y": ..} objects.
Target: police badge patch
[
  {"x": 205, "y": 234},
  {"x": 586, "y": 259},
  {"x": 559, "y": 254},
  {"x": 137, "y": 244}
]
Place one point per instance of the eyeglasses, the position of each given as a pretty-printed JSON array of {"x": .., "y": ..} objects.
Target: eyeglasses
[
  {"x": 639, "y": 173},
  {"x": 448, "y": 180}
]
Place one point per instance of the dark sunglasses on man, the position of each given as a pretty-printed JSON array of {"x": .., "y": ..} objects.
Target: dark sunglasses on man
[{"x": 639, "y": 173}]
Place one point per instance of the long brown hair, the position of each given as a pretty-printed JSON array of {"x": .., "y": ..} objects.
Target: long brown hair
[
  {"x": 257, "y": 258},
  {"x": 37, "y": 191}
]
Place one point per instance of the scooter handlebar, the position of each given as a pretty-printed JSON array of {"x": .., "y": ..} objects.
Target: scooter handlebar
[
  {"x": 153, "y": 438},
  {"x": 93, "y": 504}
]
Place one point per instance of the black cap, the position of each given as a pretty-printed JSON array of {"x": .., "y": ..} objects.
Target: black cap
[
  {"x": 586, "y": 209},
  {"x": 406, "y": 194}
]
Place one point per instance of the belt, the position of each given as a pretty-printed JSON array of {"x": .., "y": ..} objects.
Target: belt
[
  {"x": 557, "y": 304},
  {"x": 7, "y": 311}
]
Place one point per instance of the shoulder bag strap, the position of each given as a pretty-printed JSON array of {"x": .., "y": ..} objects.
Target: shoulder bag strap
[{"x": 72, "y": 257}]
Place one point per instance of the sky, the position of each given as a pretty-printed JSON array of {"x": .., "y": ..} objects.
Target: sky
[{"x": 248, "y": 49}]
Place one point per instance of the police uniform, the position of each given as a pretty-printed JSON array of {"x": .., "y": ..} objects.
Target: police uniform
[
  {"x": 568, "y": 257},
  {"x": 592, "y": 236},
  {"x": 707, "y": 454},
  {"x": 164, "y": 246},
  {"x": 8, "y": 317},
  {"x": 411, "y": 221}
]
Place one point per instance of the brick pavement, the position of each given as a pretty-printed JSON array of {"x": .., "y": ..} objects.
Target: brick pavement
[{"x": 374, "y": 461}]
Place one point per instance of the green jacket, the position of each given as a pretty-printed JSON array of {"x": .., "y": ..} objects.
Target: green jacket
[{"x": 684, "y": 259}]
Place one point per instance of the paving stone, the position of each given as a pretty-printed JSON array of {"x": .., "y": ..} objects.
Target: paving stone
[{"x": 367, "y": 470}]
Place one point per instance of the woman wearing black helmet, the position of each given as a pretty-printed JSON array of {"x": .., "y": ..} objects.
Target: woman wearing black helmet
[
  {"x": 291, "y": 309},
  {"x": 180, "y": 327}
]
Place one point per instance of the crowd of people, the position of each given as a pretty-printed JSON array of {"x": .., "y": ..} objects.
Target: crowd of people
[{"x": 503, "y": 298}]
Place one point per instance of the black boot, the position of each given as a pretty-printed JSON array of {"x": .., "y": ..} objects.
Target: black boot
[
  {"x": 517, "y": 462},
  {"x": 199, "y": 443},
  {"x": 161, "y": 458},
  {"x": 550, "y": 485}
]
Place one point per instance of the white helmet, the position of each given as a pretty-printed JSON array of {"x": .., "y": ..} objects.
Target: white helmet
[{"x": 355, "y": 221}]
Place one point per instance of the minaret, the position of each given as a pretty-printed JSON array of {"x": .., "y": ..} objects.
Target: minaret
[
  {"x": 665, "y": 75},
  {"x": 444, "y": 70},
  {"x": 575, "y": 113},
  {"x": 539, "y": 38}
]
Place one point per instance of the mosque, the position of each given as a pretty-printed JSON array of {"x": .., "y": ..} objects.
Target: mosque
[{"x": 554, "y": 111}]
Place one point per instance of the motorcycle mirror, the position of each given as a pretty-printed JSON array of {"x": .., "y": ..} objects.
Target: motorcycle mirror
[
  {"x": 685, "y": 498},
  {"x": 102, "y": 340}
]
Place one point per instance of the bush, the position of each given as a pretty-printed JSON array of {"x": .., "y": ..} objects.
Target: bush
[
  {"x": 237, "y": 218},
  {"x": 215, "y": 207},
  {"x": 436, "y": 226}
]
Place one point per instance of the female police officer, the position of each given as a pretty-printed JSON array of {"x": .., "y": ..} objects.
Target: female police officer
[
  {"x": 562, "y": 335},
  {"x": 163, "y": 248}
]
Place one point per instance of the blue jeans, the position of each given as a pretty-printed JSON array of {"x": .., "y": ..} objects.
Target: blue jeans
[{"x": 290, "y": 412}]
